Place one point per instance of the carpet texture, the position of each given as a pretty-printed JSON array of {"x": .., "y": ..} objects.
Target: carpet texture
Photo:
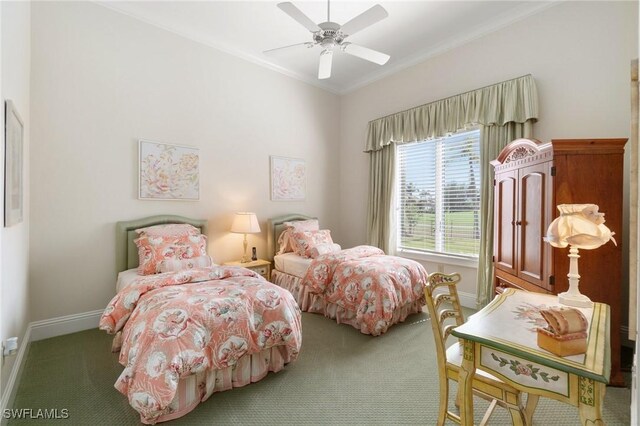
[{"x": 341, "y": 377}]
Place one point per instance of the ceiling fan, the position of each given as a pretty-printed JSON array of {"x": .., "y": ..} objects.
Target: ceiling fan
[{"x": 331, "y": 36}]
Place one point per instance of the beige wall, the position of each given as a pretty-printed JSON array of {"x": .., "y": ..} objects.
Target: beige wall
[
  {"x": 14, "y": 317},
  {"x": 101, "y": 81},
  {"x": 578, "y": 52}
]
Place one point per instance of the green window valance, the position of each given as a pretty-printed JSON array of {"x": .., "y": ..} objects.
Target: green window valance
[{"x": 513, "y": 100}]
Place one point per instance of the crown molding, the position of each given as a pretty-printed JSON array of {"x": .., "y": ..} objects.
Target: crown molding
[
  {"x": 504, "y": 20},
  {"x": 225, "y": 48}
]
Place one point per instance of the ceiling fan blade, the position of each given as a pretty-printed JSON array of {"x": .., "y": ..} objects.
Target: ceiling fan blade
[
  {"x": 291, "y": 10},
  {"x": 270, "y": 51},
  {"x": 365, "y": 19},
  {"x": 366, "y": 53},
  {"x": 324, "y": 69}
]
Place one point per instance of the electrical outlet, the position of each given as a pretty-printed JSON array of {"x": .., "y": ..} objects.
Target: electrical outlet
[{"x": 10, "y": 346}]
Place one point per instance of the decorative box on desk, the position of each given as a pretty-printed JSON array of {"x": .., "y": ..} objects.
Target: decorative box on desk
[
  {"x": 566, "y": 333},
  {"x": 262, "y": 267}
]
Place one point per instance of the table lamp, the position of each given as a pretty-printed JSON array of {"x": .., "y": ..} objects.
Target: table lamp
[
  {"x": 245, "y": 223},
  {"x": 579, "y": 226}
]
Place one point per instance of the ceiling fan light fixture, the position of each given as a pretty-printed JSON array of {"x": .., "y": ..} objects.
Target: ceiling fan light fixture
[
  {"x": 328, "y": 44},
  {"x": 330, "y": 34},
  {"x": 324, "y": 68}
]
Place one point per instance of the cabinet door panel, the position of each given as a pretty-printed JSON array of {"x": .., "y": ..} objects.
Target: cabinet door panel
[
  {"x": 505, "y": 215},
  {"x": 531, "y": 225}
]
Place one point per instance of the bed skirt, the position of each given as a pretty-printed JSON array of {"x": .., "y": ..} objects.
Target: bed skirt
[
  {"x": 199, "y": 387},
  {"x": 315, "y": 303}
]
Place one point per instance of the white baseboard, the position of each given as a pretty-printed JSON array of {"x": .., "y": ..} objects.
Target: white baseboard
[
  {"x": 39, "y": 330},
  {"x": 9, "y": 391},
  {"x": 635, "y": 409},
  {"x": 468, "y": 300},
  {"x": 59, "y": 326}
]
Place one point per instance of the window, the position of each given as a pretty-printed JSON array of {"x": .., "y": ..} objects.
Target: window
[{"x": 439, "y": 195}]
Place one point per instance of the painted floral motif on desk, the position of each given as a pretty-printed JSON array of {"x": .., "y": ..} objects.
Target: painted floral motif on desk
[
  {"x": 524, "y": 369},
  {"x": 531, "y": 314}
]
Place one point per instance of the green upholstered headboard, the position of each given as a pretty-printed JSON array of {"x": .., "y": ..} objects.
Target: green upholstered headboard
[
  {"x": 275, "y": 228},
  {"x": 126, "y": 250}
]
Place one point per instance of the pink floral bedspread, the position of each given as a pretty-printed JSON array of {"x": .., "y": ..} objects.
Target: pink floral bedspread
[
  {"x": 181, "y": 323},
  {"x": 366, "y": 281}
]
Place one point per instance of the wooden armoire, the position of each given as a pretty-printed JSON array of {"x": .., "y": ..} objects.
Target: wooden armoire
[{"x": 531, "y": 179}]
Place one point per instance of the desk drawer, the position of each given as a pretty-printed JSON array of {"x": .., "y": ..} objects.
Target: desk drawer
[{"x": 525, "y": 373}]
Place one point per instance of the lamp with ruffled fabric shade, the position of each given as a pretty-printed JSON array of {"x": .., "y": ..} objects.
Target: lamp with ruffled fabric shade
[{"x": 579, "y": 226}]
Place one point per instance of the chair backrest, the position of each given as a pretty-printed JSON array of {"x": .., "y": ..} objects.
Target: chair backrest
[
  {"x": 444, "y": 308},
  {"x": 446, "y": 314}
]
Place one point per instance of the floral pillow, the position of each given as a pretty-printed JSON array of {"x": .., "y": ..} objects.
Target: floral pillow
[
  {"x": 168, "y": 230},
  {"x": 304, "y": 241},
  {"x": 285, "y": 242},
  {"x": 153, "y": 250},
  {"x": 175, "y": 265},
  {"x": 303, "y": 225},
  {"x": 320, "y": 249}
]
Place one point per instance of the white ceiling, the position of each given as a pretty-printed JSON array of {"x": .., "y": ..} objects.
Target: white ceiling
[{"x": 414, "y": 31}]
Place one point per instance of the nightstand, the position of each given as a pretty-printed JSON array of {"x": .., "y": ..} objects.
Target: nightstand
[{"x": 262, "y": 267}]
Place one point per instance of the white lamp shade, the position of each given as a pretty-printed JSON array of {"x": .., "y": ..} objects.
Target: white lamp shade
[
  {"x": 579, "y": 225},
  {"x": 245, "y": 223}
]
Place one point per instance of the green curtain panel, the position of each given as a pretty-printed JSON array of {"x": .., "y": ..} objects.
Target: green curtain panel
[
  {"x": 381, "y": 207},
  {"x": 493, "y": 140},
  {"x": 505, "y": 111}
]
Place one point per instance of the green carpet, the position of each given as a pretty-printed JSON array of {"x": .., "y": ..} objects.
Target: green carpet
[{"x": 341, "y": 377}]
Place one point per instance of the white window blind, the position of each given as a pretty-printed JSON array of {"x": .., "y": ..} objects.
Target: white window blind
[{"x": 439, "y": 195}]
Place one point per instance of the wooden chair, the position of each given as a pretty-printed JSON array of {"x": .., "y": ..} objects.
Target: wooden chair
[{"x": 441, "y": 290}]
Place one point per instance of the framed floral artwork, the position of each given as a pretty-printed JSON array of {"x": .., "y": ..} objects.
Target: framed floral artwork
[
  {"x": 13, "y": 174},
  {"x": 288, "y": 179},
  {"x": 168, "y": 172}
]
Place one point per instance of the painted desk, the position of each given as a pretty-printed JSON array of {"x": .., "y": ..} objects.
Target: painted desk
[{"x": 501, "y": 339}]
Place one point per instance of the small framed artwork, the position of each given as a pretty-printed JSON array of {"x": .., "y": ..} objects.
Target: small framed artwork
[
  {"x": 288, "y": 179},
  {"x": 168, "y": 172},
  {"x": 13, "y": 173}
]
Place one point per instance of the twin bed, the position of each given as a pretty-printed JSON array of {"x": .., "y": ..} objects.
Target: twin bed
[
  {"x": 190, "y": 333},
  {"x": 360, "y": 286},
  {"x": 186, "y": 334}
]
